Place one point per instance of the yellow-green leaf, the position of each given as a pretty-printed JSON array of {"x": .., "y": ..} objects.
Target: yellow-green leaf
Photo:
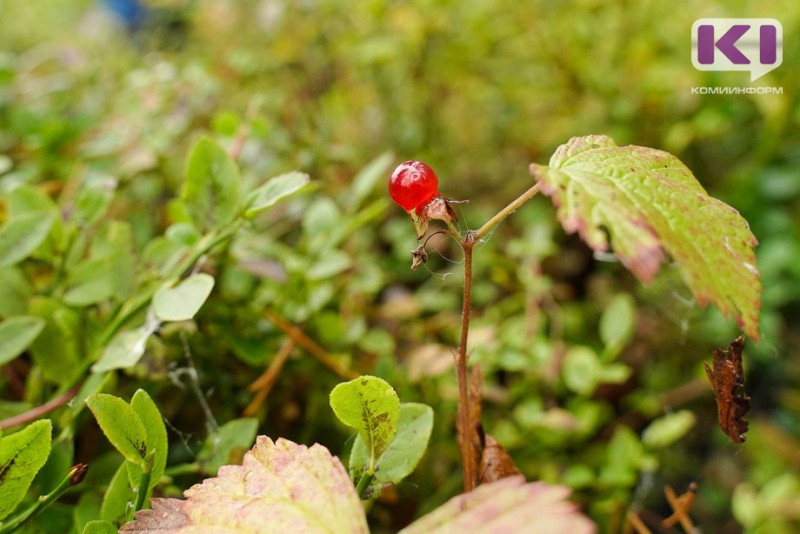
[
  {"x": 370, "y": 406},
  {"x": 650, "y": 203}
]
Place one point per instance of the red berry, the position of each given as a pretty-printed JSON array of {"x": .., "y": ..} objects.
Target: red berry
[{"x": 413, "y": 185}]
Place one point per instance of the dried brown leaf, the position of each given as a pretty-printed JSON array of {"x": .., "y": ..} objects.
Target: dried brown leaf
[
  {"x": 496, "y": 463},
  {"x": 727, "y": 380}
]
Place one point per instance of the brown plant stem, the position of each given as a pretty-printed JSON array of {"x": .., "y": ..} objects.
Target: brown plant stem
[
  {"x": 469, "y": 455},
  {"x": 38, "y": 411},
  {"x": 298, "y": 336},
  {"x": 470, "y": 449},
  {"x": 262, "y": 385}
]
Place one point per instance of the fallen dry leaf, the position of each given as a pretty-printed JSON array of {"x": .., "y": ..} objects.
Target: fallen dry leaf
[
  {"x": 496, "y": 463},
  {"x": 727, "y": 379}
]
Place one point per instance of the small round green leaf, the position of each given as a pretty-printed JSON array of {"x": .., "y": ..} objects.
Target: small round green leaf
[
  {"x": 582, "y": 370},
  {"x": 404, "y": 452},
  {"x": 618, "y": 322},
  {"x": 16, "y": 334},
  {"x": 183, "y": 301},
  {"x": 666, "y": 430},
  {"x": 371, "y": 406}
]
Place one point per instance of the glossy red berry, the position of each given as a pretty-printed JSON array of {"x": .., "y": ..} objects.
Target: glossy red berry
[{"x": 413, "y": 185}]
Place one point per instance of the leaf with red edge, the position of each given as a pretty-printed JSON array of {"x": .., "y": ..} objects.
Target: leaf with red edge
[
  {"x": 280, "y": 487},
  {"x": 649, "y": 203},
  {"x": 508, "y": 505}
]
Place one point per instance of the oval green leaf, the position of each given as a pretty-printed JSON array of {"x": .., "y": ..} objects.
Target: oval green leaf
[
  {"x": 274, "y": 191},
  {"x": 124, "y": 351},
  {"x": 20, "y": 236},
  {"x": 668, "y": 429},
  {"x": 231, "y": 439},
  {"x": 121, "y": 424},
  {"x": 370, "y": 406},
  {"x": 99, "y": 527},
  {"x": 21, "y": 456},
  {"x": 650, "y": 202},
  {"x": 118, "y": 494},
  {"x": 183, "y": 301},
  {"x": 16, "y": 334},
  {"x": 618, "y": 323},
  {"x": 156, "y": 433},
  {"x": 212, "y": 189},
  {"x": 404, "y": 452}
]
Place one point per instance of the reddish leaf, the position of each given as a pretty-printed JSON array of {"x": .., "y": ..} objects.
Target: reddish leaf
[
  {"x": 646, "y": 202},
  {"x": 280, "y": 487},
  {"x": 505, "y": 506},
  {"x": 727, "y": 379}
]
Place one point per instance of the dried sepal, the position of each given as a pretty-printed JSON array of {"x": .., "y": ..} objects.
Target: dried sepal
[
  {"x": 419, "y": 256},
  {"x": 727, "y": 380}
]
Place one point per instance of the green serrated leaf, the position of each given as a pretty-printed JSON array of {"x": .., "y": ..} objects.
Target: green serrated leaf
[
  {"x": 297, "y": 489},
  {"x": 157, "y": 442},
  {"x": 403, "y": 454},
  {"x": 668, "y": 429},
  {"x": 228, "y": 444},
  {"x": 124, "y": 351},
  {"x": 20, "y": 236},
  {"x": 117, "y": 496},
  {"x": 212, "y": 189},
  {"x": 22, "y": 454},
  {"x": 121, "y": 424},
  {"x": 507, "y": 505},
  {"x": 370, "y": 406},
  {"x": 183, "y": 301},
  {"x": 16, "y": 334},
  {"x": 650, "y": 203},
  {"x": 274, "y": 191}
]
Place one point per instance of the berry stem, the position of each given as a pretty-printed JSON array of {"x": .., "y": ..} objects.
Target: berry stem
[
  {"x": 467, "y": 427},
  {"x": 469, "y": 456},
  {"x": 508, "y": 210}
]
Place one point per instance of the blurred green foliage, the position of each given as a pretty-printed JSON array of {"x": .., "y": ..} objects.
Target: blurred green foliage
[{"x": 591, "y": 379}]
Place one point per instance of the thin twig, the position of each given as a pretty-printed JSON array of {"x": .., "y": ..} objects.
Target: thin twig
[
  {"x": 508, "y": 210},
  {"x": 636, "y": 522},
  {"x": 37, "y": 412},
  {"x": 298, "y": 336},
  {"x": 263, "y": 384},
  {"x": 466, "y": 427}
]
